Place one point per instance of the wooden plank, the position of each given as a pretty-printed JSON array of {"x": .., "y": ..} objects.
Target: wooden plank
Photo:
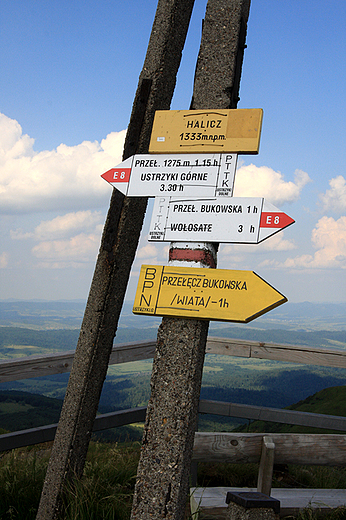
[
  {"x": 265, "y": 470},
  {"x": 261, "y": 413},
  {"x": 277, "y": 352},
  {"x": 32, "y": 436},
  {"x": 232, "y": 347},
  {"x": 294, "y": 448},
  {"x": 211, "y": 502},
  {"x": 134, "y": 351},
  {"x": 37, "y": 366},
  {"x": 110, "y": 423},
  {"x": 307, "y": 356},
  {"x": 232, "y": 448}
]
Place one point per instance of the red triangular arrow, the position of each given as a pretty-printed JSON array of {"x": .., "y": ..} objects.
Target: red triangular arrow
[
  {"x": 115, "y": 175},
  {"x": 273, "y": 219}
]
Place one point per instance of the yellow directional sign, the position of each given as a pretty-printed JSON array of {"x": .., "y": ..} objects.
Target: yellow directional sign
[
  {"x": 194, "y": 131},
  {"x": 210, "y": 294}
]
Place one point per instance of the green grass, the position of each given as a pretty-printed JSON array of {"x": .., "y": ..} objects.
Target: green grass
[
  {"x": 21, "y": 478},
  {"x": 104, "y": 492}
]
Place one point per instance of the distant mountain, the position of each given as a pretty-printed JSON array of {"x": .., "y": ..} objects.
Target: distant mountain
[
  {"x": 36, "y": 328},
  {"x": 49, "y": 340},
  {"x": 305, "y": 316},
  {"x": 68, "y": 314},
  {"x": 42, "y": 314}
]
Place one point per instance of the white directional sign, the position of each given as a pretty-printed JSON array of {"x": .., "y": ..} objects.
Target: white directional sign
[
  {"x": 189, "y": 175},
  {"x": 240, "y": 220}
]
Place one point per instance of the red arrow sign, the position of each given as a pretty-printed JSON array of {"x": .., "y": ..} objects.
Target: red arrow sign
[
  {"x": 275, "y": 220},
  {"x": 117, "y": 175}
]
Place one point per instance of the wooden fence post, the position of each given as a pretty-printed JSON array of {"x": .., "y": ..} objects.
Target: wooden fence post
[
  {"x": 118, "y": 247},
  {"x": 163, "y": 472}
]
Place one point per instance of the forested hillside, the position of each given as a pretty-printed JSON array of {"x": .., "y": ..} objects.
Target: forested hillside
[{"x": 329, "y": 401}]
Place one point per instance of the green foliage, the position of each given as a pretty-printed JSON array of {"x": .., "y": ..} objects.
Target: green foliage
[
  {"x": 135, "y": 393},
  {"x": 22, "y": 410},
  {"x": 21, "y": 478},
  {"x": 331, "y": 401},
  {"x": 104, "y": 492},
  {"x": 106, "y": 489},
  {"x": 312, "y": 514},
  {"x": 122, "y": 434}
]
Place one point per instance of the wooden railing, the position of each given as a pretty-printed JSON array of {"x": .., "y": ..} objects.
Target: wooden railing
[{"x": 36, "y": 366}]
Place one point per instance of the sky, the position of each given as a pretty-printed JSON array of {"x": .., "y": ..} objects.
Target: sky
[{"x": 69, "y": 72}]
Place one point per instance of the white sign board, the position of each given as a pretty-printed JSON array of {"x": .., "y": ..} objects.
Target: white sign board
[
  {"x": 185, "y": 175},
  {"x": 238, "y": 220}
]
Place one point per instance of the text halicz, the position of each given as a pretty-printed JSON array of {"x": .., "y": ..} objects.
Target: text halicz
[{"x": 187, "y": 131}]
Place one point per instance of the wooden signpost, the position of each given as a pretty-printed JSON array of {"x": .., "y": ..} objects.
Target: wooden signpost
[
  {"x": 188, "y": 131},
  {"x": 204, "y": 294},
  {"x": 187, "y": 175},
  {"x": 236, "y": 220},
  {"x": 117, "y": 251},
  {"x": 162, "y": 484}
]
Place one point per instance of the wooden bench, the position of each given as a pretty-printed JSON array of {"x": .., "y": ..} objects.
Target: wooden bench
[{"x": 265, "y": 449}]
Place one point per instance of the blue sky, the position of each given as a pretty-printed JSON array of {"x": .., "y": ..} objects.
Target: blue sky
[{"x": 69, "y": 75}]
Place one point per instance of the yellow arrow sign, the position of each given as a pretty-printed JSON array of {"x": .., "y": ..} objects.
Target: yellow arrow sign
[
  {"x": 196, "y": 131},
  {"x": 209, "y": 294}
]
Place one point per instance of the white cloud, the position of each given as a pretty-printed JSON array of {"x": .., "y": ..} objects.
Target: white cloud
[
  {"x": 277, "y": 243},
  {"x": 253, "y": 181},
  {"x": 148, "y": 251},
  {"x": 335, "y": 198},
  {"x": 274, "y": 243},
  {"x": 67, "y": 240},
  {"x": 329, "y": 238},
  {"x": 62, "y": 226},
  {"x": 65, "y": 178},
  {"x": 79, "y": 249},
  {"x": 19, "y": 234},
  {"x": 4, "y": 259},
  {"x": 67, "y": 224},
  {"x": 12, "y": 143},
  {"x": 151, "y": 253}
]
